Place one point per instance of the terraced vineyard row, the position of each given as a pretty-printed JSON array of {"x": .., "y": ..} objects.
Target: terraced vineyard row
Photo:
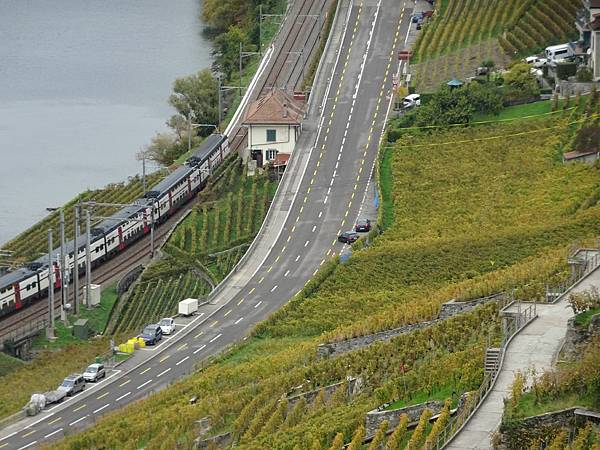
[
  {"x": 541, "y": 23},
  {"x": 464, "y": 33},
  {"x": 33, "y": 242},
  {"x": 217, "y": 233},
  {"x": 158, "y": 297}
]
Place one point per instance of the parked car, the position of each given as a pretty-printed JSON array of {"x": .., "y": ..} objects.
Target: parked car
[
  {"x": 362, "y": 225},
  {"x": 348, "y": 237},
  {"x": 167, "y": 325},
  {"x": 410, "y": 101},
  {"x": 94, "y": 372},
  {"x": 152, "y": 334},
  {"x": 536, "y": 61},
  {"x": 73, "y": 384},
  {"x": 417, "y": 17}
]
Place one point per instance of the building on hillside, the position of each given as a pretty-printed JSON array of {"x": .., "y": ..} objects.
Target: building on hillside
[
  {"x": 588, "y": 24},
  {"x": 274, "y": 125}
]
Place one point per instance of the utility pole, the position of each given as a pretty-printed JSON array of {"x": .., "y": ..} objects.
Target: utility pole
[
  {"x": 260, "y": 15},
  {"x": 219, "y": 106},
  {"x": 76, "y": 263},
  {"x": 144, "y": 172},
  {"x": 88, "y": 259},
  {"x": 152, "y": 230},
  {"x": 240, "y": 68},
  {"x": 63, "y": 271},
  {"x": 50, "y": 329}
]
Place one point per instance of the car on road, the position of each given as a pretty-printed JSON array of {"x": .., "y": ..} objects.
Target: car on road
[
  {"x": 94, "y": 372},
  {"x": 536, "y": 61},
  {"x": 417, "y": 17},
  {"x": 167, "y": 325},
  {"x": 73, "y": 384},
  {"x": 348, "y": 237},
  {"x": 362, "y": 225},
  {"x": 152, "y": 334}
]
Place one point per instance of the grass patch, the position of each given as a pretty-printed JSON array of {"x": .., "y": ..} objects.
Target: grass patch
[
  {"x": 518, "y": 111},
  {"x": 386, "y": 182},
  {"x": 9, "y": 364},
  {"x": 98, "y": 316},
  {"x": 584, "y": 319},
  {"x": 528, "y": 406}
]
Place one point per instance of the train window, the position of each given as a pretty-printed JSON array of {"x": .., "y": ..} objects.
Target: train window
[{"x": 34, "y": 284}]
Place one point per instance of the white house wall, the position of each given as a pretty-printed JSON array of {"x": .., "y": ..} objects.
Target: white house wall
[{"x": 285, "y": 134}]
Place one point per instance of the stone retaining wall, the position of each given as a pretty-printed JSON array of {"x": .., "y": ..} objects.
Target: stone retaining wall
[
  {"x": 375, "y": 417},
  {"x": 219, "y": 441},
  {"x": 577, "y": 338},
  {"x": 447, "y": 310},
  {"x": 354, "y": 385}
]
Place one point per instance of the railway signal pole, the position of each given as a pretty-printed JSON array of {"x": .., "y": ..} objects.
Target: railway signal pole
[
  {"x": 50, "y": 329},
  {"x": 63, "y": 269},
  {"x": 88, "y": 258},
  {"x": 76, "y": 262}
]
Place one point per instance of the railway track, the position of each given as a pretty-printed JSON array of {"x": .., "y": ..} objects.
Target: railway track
[{"x": 302, "y": 36}]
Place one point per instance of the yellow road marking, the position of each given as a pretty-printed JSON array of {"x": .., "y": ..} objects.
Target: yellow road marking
[
  {"x": 54, "y": 421},
  {"x": 102, "y": 396},
  {"x": 197, "y": 336},
  {"x": 261, "y": 280},
  {"x": 182, "y": 346},
  {"x": 81, "y": 407},
  {"x": 252, "y": 290},
  {"x": 214, "y": 323},
  {"x": 164, "y": 358},
  {"x": 28, "y": 434},
  {"x": 240, "y": 302},
  {"x": 224, "y": 315},
  {"x": 125, "y": 382}
]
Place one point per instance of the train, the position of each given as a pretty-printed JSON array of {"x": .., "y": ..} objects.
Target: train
[{"x": 22, "y": 287}]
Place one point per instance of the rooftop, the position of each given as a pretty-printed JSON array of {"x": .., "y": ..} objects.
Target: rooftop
[{"x": 275, "y": 107}]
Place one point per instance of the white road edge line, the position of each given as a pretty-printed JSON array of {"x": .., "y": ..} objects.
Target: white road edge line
[
  {"x": 163, "y": 372},
  {"x": 256, "y": 306},
  {"x": 122, "y": 396},
  {"x": 238, "y": 321},
  {"x": 216, "y": 337},
  {"x": 28, "y": 445},
  {"x": 200, "y": 348},
  {"x": 182, "y": 360},
  {"x": 78, "y": 420},
  {"x": 53, "y": 433},
  {"x": 101, "y": 408},
  {"x": 144, "y": 384}
]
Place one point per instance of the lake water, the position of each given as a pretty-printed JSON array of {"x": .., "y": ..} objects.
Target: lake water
[{"x": 83, "y": 87}]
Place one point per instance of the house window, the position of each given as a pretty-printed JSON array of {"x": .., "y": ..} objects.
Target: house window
[
  {"x": 270, "y": 155},
  {"x": 271, "y": 136}
]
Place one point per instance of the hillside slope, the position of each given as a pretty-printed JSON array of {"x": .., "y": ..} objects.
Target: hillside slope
[{"x": 490, "y": 209}]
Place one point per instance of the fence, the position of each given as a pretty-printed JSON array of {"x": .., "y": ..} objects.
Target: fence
[
  {"x": 513, "y": 323},
  {"x": 580, "y": 268},
  {"x": 27, "y": 331}
]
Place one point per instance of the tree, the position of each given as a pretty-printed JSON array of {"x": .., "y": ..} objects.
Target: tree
[
  {"x": 162, "y": 149},
  {"x": 227, "y": 50},
  {"x": 520, "y": 78},
  {"x": 196, "y": 95}
]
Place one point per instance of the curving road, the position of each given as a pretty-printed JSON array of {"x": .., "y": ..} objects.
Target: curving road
[{"x": 323, "y": 192}]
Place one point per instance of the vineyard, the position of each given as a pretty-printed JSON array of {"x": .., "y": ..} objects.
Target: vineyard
[
  {"x": 203, "y": 248},
  {"x": 464, "y": 33},
  {"x": 34, "y": 241},
  {"x": 485, "y": 209},
  {"x": 217, "y": 232}
]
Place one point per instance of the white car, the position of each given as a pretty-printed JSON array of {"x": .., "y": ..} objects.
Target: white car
[
  {"x": 536, "y": 61},
  {"x": 411, "y": 101},
  {"x": 167, "y": 325}
]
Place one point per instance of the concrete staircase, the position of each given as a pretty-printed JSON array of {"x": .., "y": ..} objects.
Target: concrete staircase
[{"x": 492, "y": 360}]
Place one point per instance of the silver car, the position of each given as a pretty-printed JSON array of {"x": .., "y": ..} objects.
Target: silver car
[
  {"x": 72, "y": 384},
  {"x": 94, "y": 372}
]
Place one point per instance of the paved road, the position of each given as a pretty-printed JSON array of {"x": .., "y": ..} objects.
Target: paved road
[
  {"x": 534, "y": 347},
  {"x": 321, "y": 194}
]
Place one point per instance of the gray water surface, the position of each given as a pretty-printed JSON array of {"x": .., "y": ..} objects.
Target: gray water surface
[{"x": 83, "y": 86}]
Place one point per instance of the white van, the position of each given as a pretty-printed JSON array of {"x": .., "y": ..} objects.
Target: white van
[
  {"x": 558, "y": 52},
  {"x": 411, "y": 101}
]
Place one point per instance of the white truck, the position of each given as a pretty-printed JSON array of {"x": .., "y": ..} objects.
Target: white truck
[{"x": 188, "y": 306}]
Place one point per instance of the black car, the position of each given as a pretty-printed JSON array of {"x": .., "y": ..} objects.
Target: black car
[
  {"x": 151, "y": 334},
  {"x": 348, "y": 237},
  {"x": 362, "y": 225}
]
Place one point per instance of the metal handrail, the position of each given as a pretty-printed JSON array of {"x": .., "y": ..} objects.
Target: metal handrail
[{"x": 463, "y": 415}]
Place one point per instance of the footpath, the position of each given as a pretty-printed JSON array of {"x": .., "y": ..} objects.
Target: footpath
[{"x": 536, "y": 346}]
